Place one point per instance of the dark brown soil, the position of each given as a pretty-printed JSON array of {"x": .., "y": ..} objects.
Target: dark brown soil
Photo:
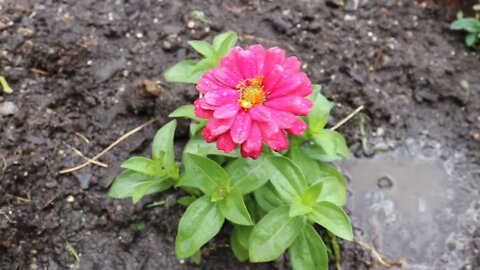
[{"x": 78, "y": 70}]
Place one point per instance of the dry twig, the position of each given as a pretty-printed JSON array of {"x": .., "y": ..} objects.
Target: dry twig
[
  {"x": 378, "y": 257},
  {"x": 344, "y": 120},
  {"x": 119, "y": 140}
]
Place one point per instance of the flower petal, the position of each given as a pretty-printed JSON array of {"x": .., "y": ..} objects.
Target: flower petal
[
  {"x": 218, "y": 126},
  {"x": 208, "y": 83},
  {"x": 201, "y": 112},
  {"x": 260, "y": 113},
  {"x": 221, "y": 97},
  {"x": 252, "y": 147},
  {"x": 227, "y": 111},
  {"x": 259, "y": 53},
  {"x": 277, "y": 140},
  {"x": 226, "y": 143},
  {"x": 230, "y": 61},
  {"x": 290, "y": 85},
  {"x": 226, "y": 76},
  {"x": 274, "y": 77},
  {"x": 294, "y": 104},
  {"x": 291, "y": 64},
  {"x": 297, "y": 128},
  {"x": 208, "y": 135},
  {"x": 247, "y": 64},
  {"x": 273, "y": 56},
  {"x": 241, "y": 127}
]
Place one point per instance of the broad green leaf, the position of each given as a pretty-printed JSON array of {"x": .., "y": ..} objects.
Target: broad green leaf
[
  {"x": 203, "y": 66},
  {"x": 198, "y": 146},
  {"x": 307, "y": 164},
  {"x": 248, "y": 175},
  {"x": 471, "y": 25},
  {"x": 182, "y": 72},
  {"x": 308, "y": 252},
  {"x": 287, "y": 178},
  {"x": 318, "y": 117},
  {"x": 186, "y": 200},
  {"x": 333, "y": 143},
  {"x": 311, "y": 194},
  {"x": 239, "y": 241},
  {"x": 185, "y": 111},
  {"x": 136, "y": 185},
  {"x": 162, "y": 147},
  {"x": 234, "y": 209},
  {"x": 334, "y": 188},
  {"x": 224, "y": 42},
  {"x": 332, "y": 218},
  {"x": 268, "y": 198},
  {"x": 204, "y": 174},
  {"x": 274, "y": 234},
  {"x": 298, "y": 208},
  {"x": 195, "y": 126},
  {"x": 240, "y": 252},
  {"x": 144, "y": 165},
  {"x": 201, "y": 222},
  {"x": 471, "y": 39},
  {"x": 202, "y": 47}
]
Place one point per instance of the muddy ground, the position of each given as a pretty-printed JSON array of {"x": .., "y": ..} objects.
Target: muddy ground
[{"x": 82, "y": 74}]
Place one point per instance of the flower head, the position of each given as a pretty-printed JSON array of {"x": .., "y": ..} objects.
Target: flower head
[{"x": 254, "y": 96}]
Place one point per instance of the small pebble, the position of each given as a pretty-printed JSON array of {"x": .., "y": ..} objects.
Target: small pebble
[
  {"x": 8, "y": 108},
  {"x": 70, "y": 199},
  {"x": 190, "y": 24},
  {"x": 166, "y": 45}
]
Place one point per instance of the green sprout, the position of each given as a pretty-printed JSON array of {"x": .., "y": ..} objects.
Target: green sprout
[
  {"x": 70, "y": 248},
  {"x": 5, "y": 86},
  {"x": 471, "y": 25}
]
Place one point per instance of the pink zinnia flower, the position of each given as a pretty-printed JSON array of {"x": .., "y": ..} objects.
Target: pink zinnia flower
[{"x": 254, "y": 96}]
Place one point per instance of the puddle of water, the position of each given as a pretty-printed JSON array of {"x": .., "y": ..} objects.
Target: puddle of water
[{"x": 407, "y": 206}]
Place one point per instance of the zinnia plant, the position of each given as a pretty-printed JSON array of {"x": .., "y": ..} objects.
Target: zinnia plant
[{"x": 251, "y": 101}]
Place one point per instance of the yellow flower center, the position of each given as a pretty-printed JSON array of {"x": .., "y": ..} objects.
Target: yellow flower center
[{"x": 251, "y": 92}]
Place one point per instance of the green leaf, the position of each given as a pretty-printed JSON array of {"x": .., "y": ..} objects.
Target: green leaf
[
  {"x": 471, "y": 25},
  {"x": 471, "y": 39},
  {"x": 204, "y": 174},
  {"x": 274, "y": 234},
  {"x": 239, "y": 241},
  {"x": 287, "y": 178},
  {"x": 332, "y": 218},
  {"x": 138, "y": 225},
  {"x": 198, "y": 146},
  {"x": 318, "y": 117},
  {"x": 185, "y": 111},
  {"x": 310, "y": 196},
  {"x": 136, "y": 185},
  {"x": 308, "y": 252},
  {"x": 195, "y": 126},
  {"x": 307, "y": 164},
  {"x": 249, "y": 175},
  {"x": 202, "y": 47},
  {"x": 298, "y": 208},
  {"x": 234, "y": 209},
  {"x": 144, "y": 165},
  {"x": 182, "y": 72},
  {"x": 186, "y": 200},
  {"x": 333, "y": 143},
  {"x": 268, "y": 198},
  {"x": 224, "y": 42},
  {"x": 334, "y": 187},
  {"x": 239, "y": 251},
  {"x": 203, "y": 66},
  {"x": 162, "y": 148},
  {"x": 201, "y": 222}
]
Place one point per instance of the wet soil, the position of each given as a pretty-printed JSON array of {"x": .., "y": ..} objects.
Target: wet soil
[{"x": 85, "y": 72}]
